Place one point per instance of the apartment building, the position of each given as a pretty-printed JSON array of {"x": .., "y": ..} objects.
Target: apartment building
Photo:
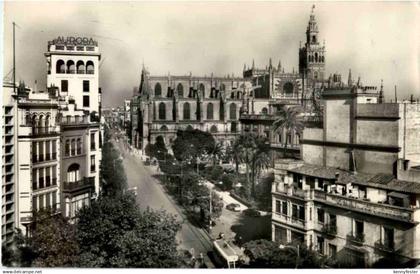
[{"x": 355, "y": 195}]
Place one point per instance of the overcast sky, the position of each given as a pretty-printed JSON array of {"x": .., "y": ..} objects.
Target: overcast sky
[{"x": 376, "y": 40}]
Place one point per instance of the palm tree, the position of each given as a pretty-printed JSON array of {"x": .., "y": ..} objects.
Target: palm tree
[
  {"x": 260, "y": 160},
  {"x": 246, "y": 149},
  {"x": 289, "y": 122},
  {"x": 216, "y": 152},
  {"x": 233, "y": 153}
]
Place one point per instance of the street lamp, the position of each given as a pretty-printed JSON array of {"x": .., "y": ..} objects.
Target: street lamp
[{"x": 210, "y": 200}]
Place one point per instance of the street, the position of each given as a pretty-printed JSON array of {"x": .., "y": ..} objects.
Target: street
[{"x": 150, "y": 194}]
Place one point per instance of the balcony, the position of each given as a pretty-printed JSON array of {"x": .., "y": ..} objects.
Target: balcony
[
  {"x": 358, "y": 239},
  {"x": 44, "y": 131},
  {"x": 384, "y": 247},
  {"x": 363, "y": 206},
  {"x": 260, "y": 117},
  {"x": 329, "y": 229},
  {"x": 86, "y": 183},
  {"x": 294, "y": 221}
]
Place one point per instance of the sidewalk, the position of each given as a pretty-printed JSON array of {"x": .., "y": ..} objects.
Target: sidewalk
[{"x": 225, "y": 195}]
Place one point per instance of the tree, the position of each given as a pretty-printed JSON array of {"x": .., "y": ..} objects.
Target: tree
[
  {"x": 192, "y": 145},
  {"x": 160, "y": 149},
  {"x": 53, "y": 241},
  {"x": 216, "y": 152},
  {"x": 113, "y": 177},
  {"x": 289, "y": 122},
  {"x": 113, "y": 232},
  {"x": 260, "y": 159},
  {"x": 18, "y": 253},
  {"x": 268, "y": 254}
]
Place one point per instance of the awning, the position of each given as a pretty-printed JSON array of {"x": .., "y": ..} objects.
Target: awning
[{"x": 398, "y": 195}]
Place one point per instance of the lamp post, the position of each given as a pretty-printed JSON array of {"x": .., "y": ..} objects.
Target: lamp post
[{"x": 210, "y": 201}]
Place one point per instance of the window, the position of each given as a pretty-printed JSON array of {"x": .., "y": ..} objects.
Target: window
[
  {"x": 162, "y": 111},
  {"x": 358, "y": 228},
  {"x": 180, "y": 90},
  {"x": 47, "y": 176},
  {"x": 73, "y": 147},
  {"x": 90, "y": 69},
  {"x": 41, "y": 177},
  {"x": 34, "y": 179},
  {"x": 34, "y": 203},
  {"x": 48, "y": 150},
  {"x": 280, "y": 234},
  {"x": 92, "y": 163},
  {"x": 213, "y": 129},
  {"x": 232, "y": 111},
  {"x": 85, "y": 101},
  {"x": 388, "y": 237},
  {"x": 92, "y": 141},
  {"x": 54, "y": 175},
  {"x": 64, "y": 85},
  {"x": 320, "y": 183},
  {"x": 278, "y": 206},
  {"x": 41, "y": 151},
  {"x": 284, "y": 208},
  {"x": 186, "y": 111},
  {"x": 320, "y": 244},
  {"x": 60, "y": 67},
  {"x": 320, "y": 214},
  {"x": 210, "y": 111},
  {"x": 48, "y": 200},
  {"x": 301, "y": 213},
  {"x": 158, "y": 90},
  {"x": 295, "y": 212},
  {"x": 202, "y": 90},
  {"x": 86, "y": 85},
  {"x": 67, "y": 148},
  {"x": 73, "y": 173},
  {"x": 54, "y": 200},
  {"x": 34, "y": 150},
  {"x": 71, "y": 68},
  {"x": 41, "y": 201},
  {"x": 332, "y": 250},
  {"x": 79, "y": 146},
  {"x": 288, "y": 89}
]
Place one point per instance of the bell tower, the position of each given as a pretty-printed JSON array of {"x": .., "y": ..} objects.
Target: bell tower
[{"x": 312, "y": 54}]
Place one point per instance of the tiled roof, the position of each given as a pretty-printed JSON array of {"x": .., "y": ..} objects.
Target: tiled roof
[{"x": 381, "y": 181}]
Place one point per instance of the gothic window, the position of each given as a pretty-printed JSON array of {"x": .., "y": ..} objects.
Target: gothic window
[
  {"x": 180, "y": 90},
  {"x": 60, "y": 67},
  {"x": 313, "y": 39},
  {"x": 210, "y": 111},
  {"x": 163, "y": 128},
  {"x": 162, "y": 111},
  {"x": 232, "y": 95},
  {"x": 322, "y": 59},
  {"x": 186, "y": 111},
  {"x": 202, "y": 90},
  {"x": 213, "y": 129},
  {"x": 316, "y": 57},
  {"x": 232, "y": 111},
  {"x": 158, "y": 90},
  {"x": 288, "y": 89},
  {"x": 169, "y": 94},
  {"x": 71, "y": 68}
]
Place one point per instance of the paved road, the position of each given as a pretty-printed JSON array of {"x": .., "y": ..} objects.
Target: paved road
[{"x": 151, "y": 194}]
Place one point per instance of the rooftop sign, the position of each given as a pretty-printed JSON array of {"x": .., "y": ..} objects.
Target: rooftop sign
[{"x": 74, "y": 41}]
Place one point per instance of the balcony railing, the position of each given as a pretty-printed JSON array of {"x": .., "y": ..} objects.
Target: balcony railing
[
  {"x": 357, "y": 239},
  {"x": 329, "y": 229},
  {"x": 80, "y": 71},
  {"x": 387, "y": 247},
  {"x": 42, "y": 131},
  {"x": 90, "y": 71},
  {"x": 383, "y": 210},
  {"x": 85, "y": 183}
]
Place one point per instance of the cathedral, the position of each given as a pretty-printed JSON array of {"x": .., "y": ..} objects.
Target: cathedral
[{"x": 225, "y": 106}]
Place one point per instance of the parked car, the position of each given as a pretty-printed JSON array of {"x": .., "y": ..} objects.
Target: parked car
[
  {"x": 251, "y": 212},
  {"x": 233, "y": 207}
]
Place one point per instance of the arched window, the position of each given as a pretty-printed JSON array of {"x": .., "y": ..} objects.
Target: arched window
[
  {"x": 264, "y": 111},
  {"x": 288, "y": 89},
  {"x": 60, "y": 66},
  {"x": 232, "y": 95},
  {"x": 73, "y": 173},
  {"x": 180, "y": 90},
  {"x": 158, "y": 90},
  {"x": 313, "y": 39},
  {"x": 162, "y": 111},
  {"x": 186, "y": 111},
  {"x": 90, "y": 69},
  {"x": 47, "y": 123},
  {"x": 73, "y": 147},
  {"x": 213, "y": 129},
  {"x": 316, "y": 57},
  {"x": 170, "y": 92},
  {"x": 28, "y": 120},
  {"x": 163, "y": 128},
  {"x": 80, "y": 67},
  {"x": 209, "y": 111},
  {"x": 71, "y": 68},
  {"x": 322, "y": 59},
  {"x": 232, "y": 111},
  {"x": 40, "y": 125},
  {"x": 202, "y": 90},
  {"x": 67, "y": 148},
  {"x": 238, "y": 95}
]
